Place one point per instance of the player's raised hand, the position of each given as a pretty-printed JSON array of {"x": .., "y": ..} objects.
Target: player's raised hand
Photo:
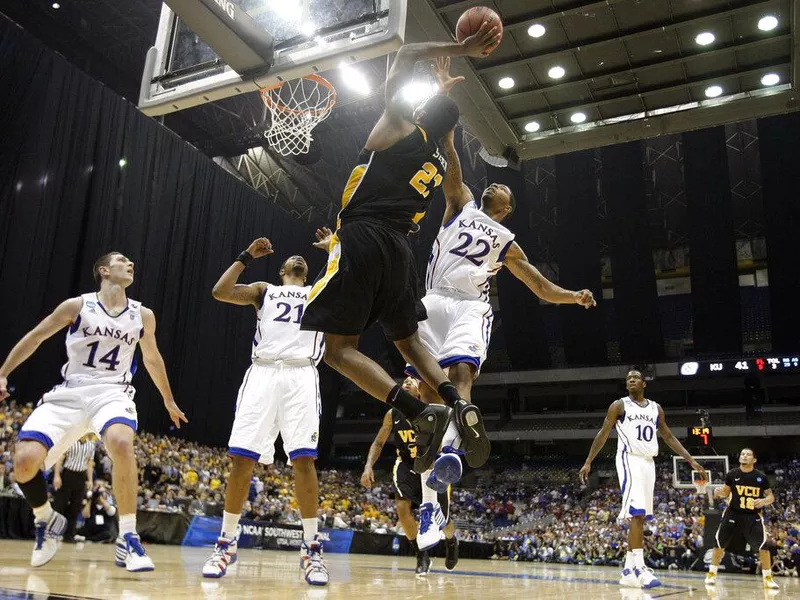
[
  {"x": 260, "y": 247},
  {"x": 585, "y": 298},
  {"x": 584, "y": 472},
  {"x": 697, "y": 467},
  {"x": 323, "y": 235},
  {"x": 4, "y": 388},
  {"x": 368, "y": 478},
  {"x": 175, "y": 414},
  {"x": 441, "y": 70},
  {"x": 483, "y": 41}
]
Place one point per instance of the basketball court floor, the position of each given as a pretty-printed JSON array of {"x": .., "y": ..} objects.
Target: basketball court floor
[{"x": 88, "y": 571}]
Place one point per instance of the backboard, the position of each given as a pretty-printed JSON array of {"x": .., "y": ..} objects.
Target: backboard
[
  {"x": 309, "y": 36},
  {"x": 684, "y": 477}
]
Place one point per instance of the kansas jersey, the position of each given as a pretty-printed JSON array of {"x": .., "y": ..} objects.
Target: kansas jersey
[
  {"x": 468, "y": 251},
  {"x": 405, "y": 439},
  {"x": 101, "y": 347},
  {"x": 393, "y": 186},
  {"x": 278, "y": 335},
  {"x": 637, "y": 428}
]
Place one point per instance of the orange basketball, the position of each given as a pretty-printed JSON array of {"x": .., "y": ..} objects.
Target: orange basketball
[{"x": 471, "y": 20}]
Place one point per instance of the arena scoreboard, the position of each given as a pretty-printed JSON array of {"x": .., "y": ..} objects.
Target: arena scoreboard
[
  {"x": 740, "y": 366},
  {"x": 699, "y": 436}
]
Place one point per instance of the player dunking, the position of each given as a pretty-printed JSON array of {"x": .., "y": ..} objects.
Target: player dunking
[
  {"x": 747, "y": 491},
  {"x": 371, "y": 275},
  {"x": 279, "y": 394},
  {"x": 636, "y": 419},
  {"x": 96, "y": 395}
]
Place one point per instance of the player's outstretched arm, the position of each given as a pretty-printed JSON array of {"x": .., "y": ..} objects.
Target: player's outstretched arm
[
  {"x": 456, "y": 194},
  {"x": 64, "y": 314},
  {"x": 368, "y": 477},
  {"x": 612, "y": 416},
  {"x": 517, "y": 263},
  {"x": 154, "y": 363},
  {"x": 674, "y": 443},
  {"x": 227, "y": 290}
]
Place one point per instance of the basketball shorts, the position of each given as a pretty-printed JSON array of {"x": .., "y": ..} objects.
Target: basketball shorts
[
  {"x": 273, "y": 399},
  {"x": 736, "y": 526},
  {"x": 371, "y": 276},
  {"x": 408, "y": 486},
  {"x": 456, "y": 330},
  {"x": 637, "y": 480},
  {"x": 70, "y": 411}
]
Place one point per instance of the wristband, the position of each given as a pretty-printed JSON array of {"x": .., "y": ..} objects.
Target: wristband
[{"x": 245, "y": 258}]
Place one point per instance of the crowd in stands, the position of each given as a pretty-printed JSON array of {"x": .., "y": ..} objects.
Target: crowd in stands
[{"x": 536, "y": 511}]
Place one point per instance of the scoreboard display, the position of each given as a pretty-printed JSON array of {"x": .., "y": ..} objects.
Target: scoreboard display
[
  {"x": 699, "y": 436},
  {"x": 740, "y": 366}
]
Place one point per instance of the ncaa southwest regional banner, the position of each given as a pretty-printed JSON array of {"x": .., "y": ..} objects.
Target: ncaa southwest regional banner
[{"x": 204, "y": 531}]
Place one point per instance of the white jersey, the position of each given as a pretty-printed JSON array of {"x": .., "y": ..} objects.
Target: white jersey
[
  {"x": 101, "y": 347},
  {"x": 468, "y": 251},
  {"x": 637, "y": 429},
  {"x": 278, "y": 335}
]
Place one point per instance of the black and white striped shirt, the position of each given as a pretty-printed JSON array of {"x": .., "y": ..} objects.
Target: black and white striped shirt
[{"x": 78, "y": 456}]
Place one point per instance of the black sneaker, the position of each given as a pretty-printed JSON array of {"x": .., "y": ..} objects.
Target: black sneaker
[
  {"x": 451, "y": 546},
  {"x": 423, "y": 563},
  {"x": 430, "y": 426},
  {"x": 474, "y": 440}
]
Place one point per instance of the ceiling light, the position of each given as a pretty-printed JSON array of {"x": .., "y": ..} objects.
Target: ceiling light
[
  {"x": 705, "y": 38},
  {"x": 123, "y": 161},
  {"x": 770, "y": 79},
  {"x": 531, "y": 126},
  {"x": 354, "y": 79},
  {"x": 556, "y": 72},
  {"x": 578, "y": 117},
  {"x": 417, "y": 91},
  {"x": 767, "y": 23},
  {"x": 56, "y": 5},
  {"x": 713, "y": 91},
  {"x": 506, "y": 83},
  {"x": 536, "y": 30}
]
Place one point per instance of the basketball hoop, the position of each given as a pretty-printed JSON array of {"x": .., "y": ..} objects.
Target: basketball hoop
[{"x": 297, "y": 107}]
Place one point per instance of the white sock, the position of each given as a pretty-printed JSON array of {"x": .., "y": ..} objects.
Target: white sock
[
  {"x": 310, "y": 529},
  {"x": 451, "y": 437},
  {"x": 713, "y": 569},
  {"x": 766, "y": 573},
  {"x": 127, "y": 524},
  {"x": 428, "y": 494},
  {"x": 638, "y": 558},
  {"x": 43, "y": 512},
  {"x": 229, "y": 523},
  {"x": 629, "y": 564}
]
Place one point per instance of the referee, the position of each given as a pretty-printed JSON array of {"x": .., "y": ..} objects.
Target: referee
[
  {"x": 72, "y": 472},
  {"x": 749, "y": 492}
]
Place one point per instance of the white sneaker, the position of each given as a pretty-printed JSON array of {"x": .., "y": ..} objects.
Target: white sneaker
[
  {"x": 224, "y": 555},
  {"x": 131, "y": 555},
  {"x": 630, "y": 578},
  {"x": 48, "y": 535},
  {"x": 311, "y": 562},
  {"x": 769, "y": 583},
  {"x": 711, "y": 579},
  {"x": 647, "y": 578},
  {"x": 431, "y": 522}
]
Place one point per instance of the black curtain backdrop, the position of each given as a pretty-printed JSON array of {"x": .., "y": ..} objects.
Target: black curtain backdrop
[
  {"x": 780, "y": 181},
  {"x": 65, "y": 200},
  {"x": 633, "y": 271},
  {"x": 578, "y": 252},
  {"x": 716, "y": 305}
]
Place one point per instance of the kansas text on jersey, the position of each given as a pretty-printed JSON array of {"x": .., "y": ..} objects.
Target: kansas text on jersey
[
  {"x": 278, "y": 335},
  {"x": 405, "y": 440},
  {"x": 637, "y": 428}
]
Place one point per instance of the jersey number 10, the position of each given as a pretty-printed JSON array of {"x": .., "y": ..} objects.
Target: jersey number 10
[{"x": 644, "y": 433}]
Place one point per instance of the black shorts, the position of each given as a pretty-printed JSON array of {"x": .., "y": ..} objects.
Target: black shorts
[
  {"x": 408, "y": 486},
  {"x": 737, "y": 526},
  {"x": 371, "y": 276}
]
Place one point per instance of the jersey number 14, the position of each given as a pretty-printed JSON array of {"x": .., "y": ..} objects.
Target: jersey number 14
[{"x": 109, "y": 358}]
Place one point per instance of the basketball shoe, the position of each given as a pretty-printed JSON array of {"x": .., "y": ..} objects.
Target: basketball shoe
[
  {"x": 474, "y": 440},
  {"x": 224, "y": 555},
  {"x": 711, "y": 579},
  {"x": 131, "y": 555},
  {"x": 431, "y": 522},
  {"x": 446, "y": 470},
  {"x": 647, "y": 578},
  {"x": 48, "y": 534},
  {"x": 311, "y": 562},
  {"x": 430, "y": 426},
  {"x": 769, "y": 583},
  {"x": 423, "y": 563},
  {"x": 630, "y": 578}
]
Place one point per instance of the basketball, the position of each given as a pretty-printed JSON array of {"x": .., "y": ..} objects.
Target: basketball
[{"x": 471, "y": 20}]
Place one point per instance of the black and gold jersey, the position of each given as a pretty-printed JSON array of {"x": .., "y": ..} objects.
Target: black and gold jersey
[
  {"x": 746, "y": 488},
  {"x": 404, "y": 438},
  {"x": 393, "y": 187}
]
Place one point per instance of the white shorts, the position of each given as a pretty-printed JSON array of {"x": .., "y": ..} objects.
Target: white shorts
[
  {"x": 68, "y": 412},
  {"x": 456, "y": 330},
  {"x": 637, "y": 480},
  {"x": 277, "y": 399}
]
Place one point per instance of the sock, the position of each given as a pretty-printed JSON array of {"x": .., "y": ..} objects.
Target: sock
[
  {"x": 428, "y": 494},
  {"x": 35, "y": 491},
  {"x": 127, "y": 524},
  {"x": 43, "y": 512},
  {"x": 229, "y": 523},
  {"x": 414, "y": 547},
  {"x": 448, "y": 393},
  {"x": 628, "y": 560},
  {"x": 766, "y": 573},
  {"x": 451, "y": 436},
  {"x": 638, "y": 558},
  {"x": 713, "y": 569},
  {"x": 310, "y": 528},
  {"x": 404, "y": 402}
]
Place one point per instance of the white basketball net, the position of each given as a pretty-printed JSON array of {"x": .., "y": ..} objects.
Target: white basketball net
[{"x": 297, "y": 107}]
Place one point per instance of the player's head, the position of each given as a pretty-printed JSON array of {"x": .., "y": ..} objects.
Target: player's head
[
  {"x": 437, "y": 115},
  {"x": 634, "y": 381},
  {"x": 113, "y": 267},
  {"x": 747, "y": 457},
  {"x": 411, "y": 385},
  {"x": 294, "y": 267},
  {"x": 498, "y": 201}
]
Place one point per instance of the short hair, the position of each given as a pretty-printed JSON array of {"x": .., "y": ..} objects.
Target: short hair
[
  {"x": 751, "y": 450},
  {"x": 103, "y": 261}
]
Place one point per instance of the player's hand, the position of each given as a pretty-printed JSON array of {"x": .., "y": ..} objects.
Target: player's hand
[
  {"x": 260, "y": 247},
  {"x": 368, "y": 478},
  {"x": 585, "y": 298},
  {"x": 441, "y": 70},
  {"x": 323, "y": 235},
  {"x": 584, "y": 472},
  {"x": 175, "y": 414},
  {"x": 482, "y": 41},
  {"x": 759, "y": 503},
  {"x": 57, "y": 481},
  {"x": 697, "y": 467},
  {"x": 4, "y": 388}
]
